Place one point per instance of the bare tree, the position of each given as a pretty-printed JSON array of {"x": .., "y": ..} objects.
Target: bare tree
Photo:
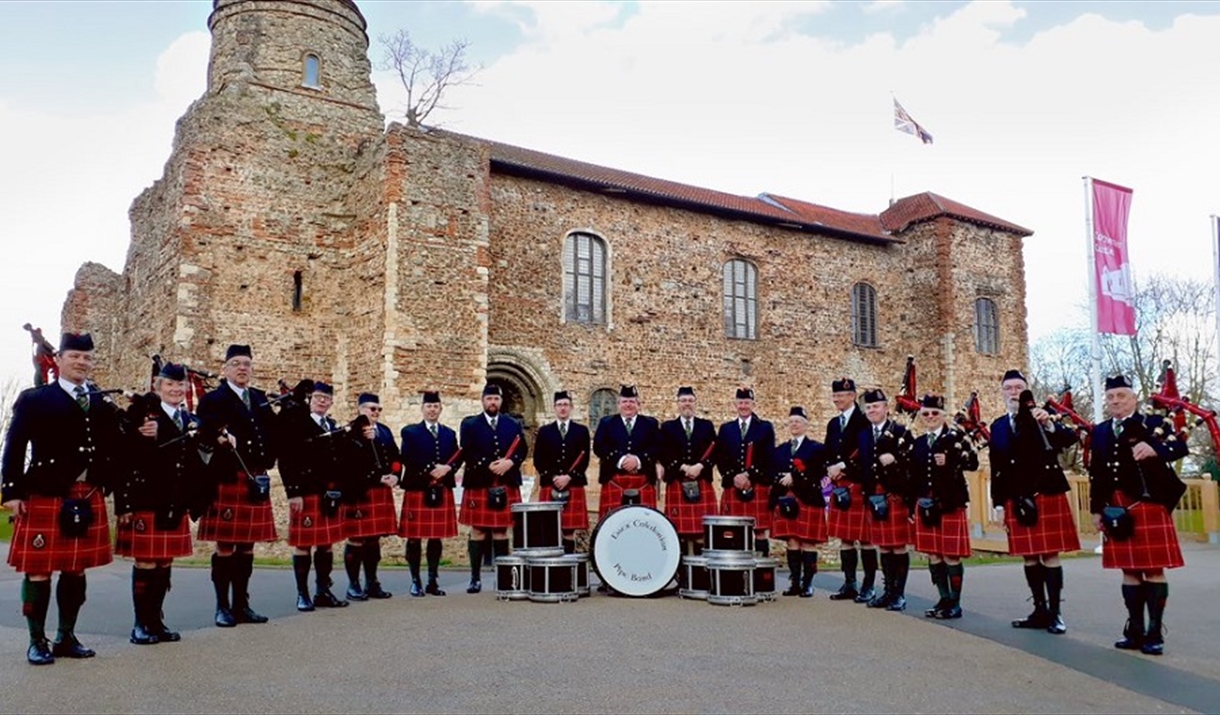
[
  {"x": 9, "y": 389},
  {"x": 425, "y": 74}
]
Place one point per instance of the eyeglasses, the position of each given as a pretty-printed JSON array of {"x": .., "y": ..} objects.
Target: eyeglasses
[
  {"x": 930, "y": 413},
  {"x": 372, "y": 409},
  {"x": 240, "y": 363}
]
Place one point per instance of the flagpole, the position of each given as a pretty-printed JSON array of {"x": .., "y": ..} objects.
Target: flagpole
[
  {"x": 1215, "y": 220},
  {"x": 1090, "y": 247}
]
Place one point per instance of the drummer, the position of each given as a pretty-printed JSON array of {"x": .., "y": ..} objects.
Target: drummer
[
  {"x": 561, "y": 456},
  {"x": 745, "y": 447},
  {"x": 687, "y": 448},
  {"x": 800, "y": 507},
  {"x": 626, "y": 445}
]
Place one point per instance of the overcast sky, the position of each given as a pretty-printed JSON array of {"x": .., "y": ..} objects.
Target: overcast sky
[{"x": 1023, "y": 99}]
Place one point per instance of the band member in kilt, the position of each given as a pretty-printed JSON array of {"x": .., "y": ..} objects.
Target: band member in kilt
[
  {"x": 57, "y": 500},
  {"x": 1133, "y": 492},
  {"x": 561, "y": 458},
  {"x": 153, "y": 502},
  {"x": 687, "y": 452},
  {"x": 493, "y": 449},
  {"x": 430, "y": 457},
  {"x": 848, "y": 518},
  {"x": 890, "y": 500},
  {"x": 315, "y": 462},
  {"x": 1029, "y": 485},
  {"x": 939, "y": 459},
  {"x": 800, "y": 508},
  {"x": 371, "y": 515},
  {"x": 627, "y": 446},
  {"x": 745, "y": 447},
  {"x": 240, "y": 511}
]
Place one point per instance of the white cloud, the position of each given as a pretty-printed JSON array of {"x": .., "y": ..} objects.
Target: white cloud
[{"x": 879, "y": 6}]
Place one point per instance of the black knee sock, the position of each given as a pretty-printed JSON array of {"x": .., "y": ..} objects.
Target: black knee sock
[
  {"x": 902, "y": 567},
  {"x": 475, "y": 549},
  {"x": 849, "y": 558},
  {"x": 499, "y": 547},
  {"x": 1054, "y": 587},
  {"x": 809, "y": 567},
  {"x": 371, "y": 553},
  {"x": 940, "y": 579},
  {"x": 143, "y": 595},
  {"x": 489, "y": 549},
  {"x": 1134, "y": 599},
  {"x": 243, "y": 568},
  {"x": 35, "y": 602},
  {"x": 434, "y": 558},
  {"x": 300, "y": 570},
  {"x": 324, "y": 562},
  {"x": 352, "y": 556},
  {"x": 222, "y": 577},
  {"x": 794, "y": 567},
  {"x": 162, "y": 578},
  {"x": 69, "y": 597},
  {"x": 956, "y": 572},
  {"x": 1156, "y": 594},
  {"x": 415, "y": 555},
  {"x": 886, "y": 560},
  {"x": 868, "y": 559},
  {"x": 1036, "y": 577}
]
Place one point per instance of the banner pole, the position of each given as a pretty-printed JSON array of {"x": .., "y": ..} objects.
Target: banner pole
[
  {"x": 1095, "y": 349},
  {"x": 1215, "y": 221}
]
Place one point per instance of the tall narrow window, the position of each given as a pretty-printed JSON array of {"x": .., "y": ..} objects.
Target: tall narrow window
[
  {"x": 602, "y": 403},
  {"x": 312, "y": 71},
  {"x": 584, "y": 279},
  {"x": 740, "y": 299},
  {"x": 296, "y": 292},
  {"x": 986, "y": 327},
  {"x": 864, "y": 315}
]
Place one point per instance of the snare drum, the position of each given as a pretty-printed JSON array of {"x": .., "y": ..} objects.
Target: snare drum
[
  {"x": 764, "y": 578},
  {"x": 635, "y": 550},
  {"x": 536, "y": 526},
  {"x": 697, "y": 581},
  {"x": 732, "y": 580},
  {"x": 552, "y": 579},
  {"x": 582, "y": 573},
  {"x": 512, "y": 578},
  {"x": 728, "y": 534}
]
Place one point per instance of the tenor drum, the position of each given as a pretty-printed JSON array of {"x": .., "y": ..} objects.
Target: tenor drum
[
  {"x": 732, "y": 580},
  {"x": 582, "y": 573},
  {"x": 536, "y": 526},
  {"x": 697, "y": 582},
  {"x": 635, "y": 551},
  {"x": 552, "y": 579},
  {"x": 728, "y": 535},
  {"x": 512, "y": 578},
  {"x": 764, "y": 578}
]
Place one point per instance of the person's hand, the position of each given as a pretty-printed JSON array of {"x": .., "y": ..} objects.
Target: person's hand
[
  {"x": 440, "y": 470},
  {"x": 149, "y": 428},
  {"x": 561, "y": 481},
  {"x": 1142, "y": 451},
  {"x": 390, "y": 480},
  {"x": 296, "y": 504},
  {"x": 1041, "y": 415},
  {"x": 742, "y": 481},
  {"x": 886, "y": 459},
  {"x": 17, "y": 506},
  {"x": 631, "y": 463},
  {"x": 786, "y": 480},
  {"x": 939, "y": 458},
  {"x": 835, "y": 471},
  {"x": 1097, "y": 521},
  {"x": 500, "y": 467},
  {"x": 693, "y": 470},
  {"x": 369, "y": 432}
]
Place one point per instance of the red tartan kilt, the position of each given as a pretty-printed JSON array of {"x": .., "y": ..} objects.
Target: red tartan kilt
[
  {"x": 851, "y": 524},
  {"x": 140, "y": 539},
  {"x": 730, "y": 505},
  {"x": 1153, "y": 545},
  {"x": 612, "y": 493},
  {"x": 575, "y": 513},
  {"x": 39, "y": 548},
  {"x": 421, "y": 522},
  {"x": 688, "y": 518},
  {"x": 372, "y": 516},
  {"x": 1054, "y": 533},
  {"x": 310, "y": 527},
  {"x": 951, "y": 538},
  {"x": 895, "y": 531},
  {"x": 474, "y": 512},
  {"x": 233, "y": 519},
  {"x": 809, "y": 525}
]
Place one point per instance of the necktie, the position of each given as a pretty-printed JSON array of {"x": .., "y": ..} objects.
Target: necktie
[
  {"x": 245, "y": 398},
  {"x": 178, "y": 419},
  {"x": 630, "y": 424},
  {"x": 1118, "y": 427},
  {"x": 931, "y": 438},
  {"x": 876, "y": 434},
  {"x": 494, "y": 422},
  {"x": 687, "y": 426},
  {"x": 743, "y": 428},
  {"x": 563, "y": 430},
  {"x": 842, "y": 422},
  {"x": 328, "y": 424},
  {"x": 795, "y": 444},
  {"x": 81, "y": 398}
]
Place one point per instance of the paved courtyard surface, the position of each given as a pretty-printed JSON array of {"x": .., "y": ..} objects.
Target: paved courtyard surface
[{"x": 466, "y": 653}]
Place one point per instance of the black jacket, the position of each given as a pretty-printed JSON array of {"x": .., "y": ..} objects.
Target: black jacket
[
  {"x": 807, "y": 468},
  {"x": 677, "y": 450},
  {"x": 947, "y": 484},
  {"x": 254, "y": 429},
  {"x": 315, "y": 458},
  {"x": 1111, "y": 465},
  {"x": 421, "y": 454},
  {"x": 843, "y": 445},
  {"x": 752, "y": 453},
  {"x": 481, "y": 446},
  {"x": 1021, "y": 464},
  {"x": 893, "y": 479},
  {"x": 371, "y": 460},
  {"x": 555, "y": 455},
  {"x": 167, "y": 472},
  {"x": 612, "y": 443}
]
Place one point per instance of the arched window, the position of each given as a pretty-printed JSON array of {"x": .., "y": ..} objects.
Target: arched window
[
  {"x": 312, "y": 74},
  {"x": 584, "y": 279},
  {"x": 602, "y": 403},
  {"x": 740, "y": 299},
  {"x": 986, "y": 327},
  {"x": 864, "y": 315}
]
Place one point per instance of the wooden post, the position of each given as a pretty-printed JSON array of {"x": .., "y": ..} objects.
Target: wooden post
[{"x": 1211, "y": 511}]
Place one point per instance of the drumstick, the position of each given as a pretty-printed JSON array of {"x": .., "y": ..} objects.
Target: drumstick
[
  {"x": 454, "y": 458},
  {"x": 708, "y": 452},
  {"x": 749, "y": 455},
  {"x": 578, "y": 458},
  {"x": 512, "y": 447}
]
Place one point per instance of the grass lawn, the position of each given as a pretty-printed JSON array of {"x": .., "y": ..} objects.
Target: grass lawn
[{"x": 6, "y": 529}]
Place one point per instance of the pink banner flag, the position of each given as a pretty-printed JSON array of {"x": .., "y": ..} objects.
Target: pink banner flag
[{"x": 1111, "y": 265}]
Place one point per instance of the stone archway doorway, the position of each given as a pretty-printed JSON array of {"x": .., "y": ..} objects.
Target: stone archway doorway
[{"x": 522, "y": 395}]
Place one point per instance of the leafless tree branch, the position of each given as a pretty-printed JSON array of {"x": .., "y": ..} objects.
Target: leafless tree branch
[{"x": 426, "y": 74}]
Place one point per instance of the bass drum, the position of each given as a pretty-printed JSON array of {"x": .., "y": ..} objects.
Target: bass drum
[{"x": 635, "y": 551}]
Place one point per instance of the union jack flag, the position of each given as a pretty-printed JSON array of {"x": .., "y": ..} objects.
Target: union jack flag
[{"x": 904, "y": 123}]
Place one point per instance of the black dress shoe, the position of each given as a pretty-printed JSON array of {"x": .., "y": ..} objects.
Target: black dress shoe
[
  {"x": 475, "y": 587},
  {"x": 417, "y": 589},
  {"x": 355, "y": 593},
  {"x": 1129, "y": 643},
  {"x": 793, "y": 590},
  {"x": 1057, "y": 626},
  {"x": 898, "y": 604},
  {"x": 940, "y": 605},
  {"x": 225, "y": 618},
  {"x": 326, "y": 599},
  {"x": 1038, "y": 620},
  {"x": 881, "y": 601},
  {"x": 142, "y": 636},
  {"x": 249, "y": 615},
  {"x": 304, "y": 605},
  {"x": 866, "y": 596},
  {"x": 808, "y": 591},
  {"x": 376, "y": 591},
  {"x": 69, "y": 647},
  {"x": 1154, "y": 648},
  {"x": 434, "y": 588},
  {"x": 949, "y": 613},
  {"x": 165, "y": 635},
  {"x": 847, "y": 593},
  {"x": 39, "y": 653}
]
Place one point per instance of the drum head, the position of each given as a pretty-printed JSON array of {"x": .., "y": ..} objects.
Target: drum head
[{"x": 635, "y": 550}]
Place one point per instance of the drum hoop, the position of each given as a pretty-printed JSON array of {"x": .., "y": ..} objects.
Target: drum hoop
[
  {"x": 593, "y": 549},
  {"x": 540, "y": 506},
  {"x": 726, "y": 520}
]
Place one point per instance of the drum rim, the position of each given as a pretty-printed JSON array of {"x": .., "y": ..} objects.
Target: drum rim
[
  {"x": 722, "y": 555},
  {"x": 593, "y": 549},
  {"x": 548, "y": 561},
  {"x": 729, "y": 519},
  {"x": 527, "y": 506},
  {"x": 509, "y": 560}
]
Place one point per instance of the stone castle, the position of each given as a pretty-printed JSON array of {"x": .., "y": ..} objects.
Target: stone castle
[{"x": 397, "y": 259}]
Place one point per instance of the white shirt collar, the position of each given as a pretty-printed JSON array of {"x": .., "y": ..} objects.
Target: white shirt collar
[
  {"x": 169, "y": 409},
  {"x": 935, "y": 433},
  {"x": 69, "y": 388},
  {"x": 317, "y": 418},
  {"x": 798, "y": 440},
  {"x": 236, "y": 389},
  {"x": 746, "y": 420},
  {"x": 489, "y": 418},
  {"x": 847, "y": 413}
]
